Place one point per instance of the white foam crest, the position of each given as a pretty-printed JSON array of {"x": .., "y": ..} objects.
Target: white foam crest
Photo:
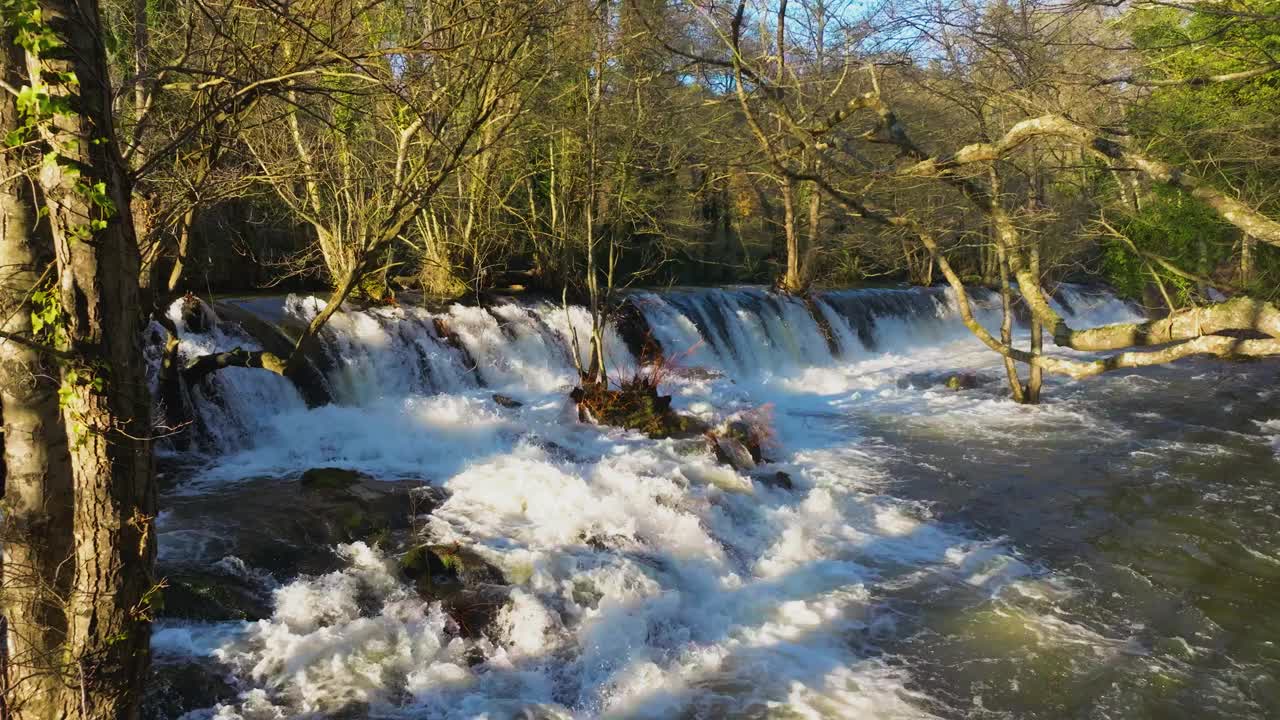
[
  {"x": 573, "y": 325},
  {"x": 415, "y": 437},
  {"x": 1271, "y": 430},
  {"x": 676, "y": 332}
]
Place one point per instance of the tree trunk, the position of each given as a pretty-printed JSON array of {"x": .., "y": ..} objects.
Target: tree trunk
[
  {"x": 106, "y": 406},
  {"x": 36, "y": 536},
  {"x": 1006, "y": 326},
  {"x": 183, "y": 251},
  {"x": 1036, "y": 378},
  {"x": 791, "y": 276},
  {"x": 815, "y": 226},
  {"x": 1247, "y": 244}
]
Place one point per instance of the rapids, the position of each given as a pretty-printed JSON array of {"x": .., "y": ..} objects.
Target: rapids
[{"x": 1111, "y": 554}]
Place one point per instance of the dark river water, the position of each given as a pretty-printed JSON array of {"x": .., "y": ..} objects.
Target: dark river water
[{"x": 1155, "y": 505}]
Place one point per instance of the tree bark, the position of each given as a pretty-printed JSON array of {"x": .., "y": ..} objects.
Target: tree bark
[
  {"x": 106, "y": 407},
  {"x": 1246, "y": 259},
  {"x": 791, "y": 277},
  {"x": 36, "y": 536},
  {"x": 1006, "y": 327},
  {"x": 1035, "y": 379}
]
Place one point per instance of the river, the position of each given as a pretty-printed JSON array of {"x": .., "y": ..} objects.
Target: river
[{"x": 941, "y": 553}]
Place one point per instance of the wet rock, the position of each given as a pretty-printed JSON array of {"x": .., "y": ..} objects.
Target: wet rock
[
  {"x": 331, "y": 479},
  {"x": 955, "y": 380},
  {"x": 507, "y": 401},
  {"x": 196, "y": 316},
  {"x": 633, "y": 328},
  {"x": 444, "y": 564},
  {"x": 179, "y": 686},
  {"x": 213, "y": 596},
  {"x": 287, "y": 527},
  {"x": 695, "y": 372},
  {"x": 637, "y": 407},
  {"x": 446, "y": 333},
  {"x": 779, "y": 479},
  {"x": 469, "y": 589},
  {"x": 554, "y": 449},
  {"x": 474, "y": 609},
  {"x": 742, "y": 431},
  {"x": 603, "y": 542},
  {"x": 730, "y": 451}
]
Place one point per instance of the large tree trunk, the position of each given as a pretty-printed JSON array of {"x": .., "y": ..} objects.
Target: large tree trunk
[
  {"x": 107, "y": 407},
  {"x": 36, "y": 536}
]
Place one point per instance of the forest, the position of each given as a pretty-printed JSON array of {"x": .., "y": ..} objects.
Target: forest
[{"x": 395, "y": 162}]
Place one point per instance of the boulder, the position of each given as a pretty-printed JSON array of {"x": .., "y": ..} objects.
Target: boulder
[
  {"x": 730, "y": 451},
  {"x": 742, "y": 431},
  {"x": 331, "y": 479}
]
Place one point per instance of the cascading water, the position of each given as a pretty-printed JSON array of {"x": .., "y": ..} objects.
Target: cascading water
[{"x": 645, "y": 579}]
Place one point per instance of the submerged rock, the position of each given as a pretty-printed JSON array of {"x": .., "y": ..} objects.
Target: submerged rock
[
  {"x": 180, "y": 685},
  {"x": 290, "y": 527},
  {"x": 331, "y": 478},
  {"x": 469, "y": 588},
  {"x": 213, "y": 596},
  {"x": 507, "y": 401},
  {"x": 952, "y": 380},
  {"x": 779, "y": 479}
]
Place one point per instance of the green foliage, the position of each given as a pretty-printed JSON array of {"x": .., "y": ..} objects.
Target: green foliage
[
  {"x": 48, "y": 321},
  {"x": 1176, "y": 227},
  {"x": 32, "y": 34},
  {"x": 1220, "y": 125},
  {"x": 1224, "y": 131}
]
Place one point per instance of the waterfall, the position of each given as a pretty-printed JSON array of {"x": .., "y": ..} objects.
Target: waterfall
[{"x": 370, "y": 355}]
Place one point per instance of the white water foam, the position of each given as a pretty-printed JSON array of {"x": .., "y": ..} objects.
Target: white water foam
[{"x": 648, "y": 581}]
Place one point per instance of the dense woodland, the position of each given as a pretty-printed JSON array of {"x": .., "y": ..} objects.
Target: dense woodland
[{"x": 373, "y": 150}]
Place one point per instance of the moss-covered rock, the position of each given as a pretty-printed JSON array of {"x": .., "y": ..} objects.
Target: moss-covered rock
[
  {"x": 742, "y": 432},
  {"x": 469, "y": 588},
  {"x": 213, "y": 596},
  {"x": 730, "y": 451},
  {"x": 443, "y": 564},
  {"x": 331, "y": 479},
  {"x": 638, "y": 407}
]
